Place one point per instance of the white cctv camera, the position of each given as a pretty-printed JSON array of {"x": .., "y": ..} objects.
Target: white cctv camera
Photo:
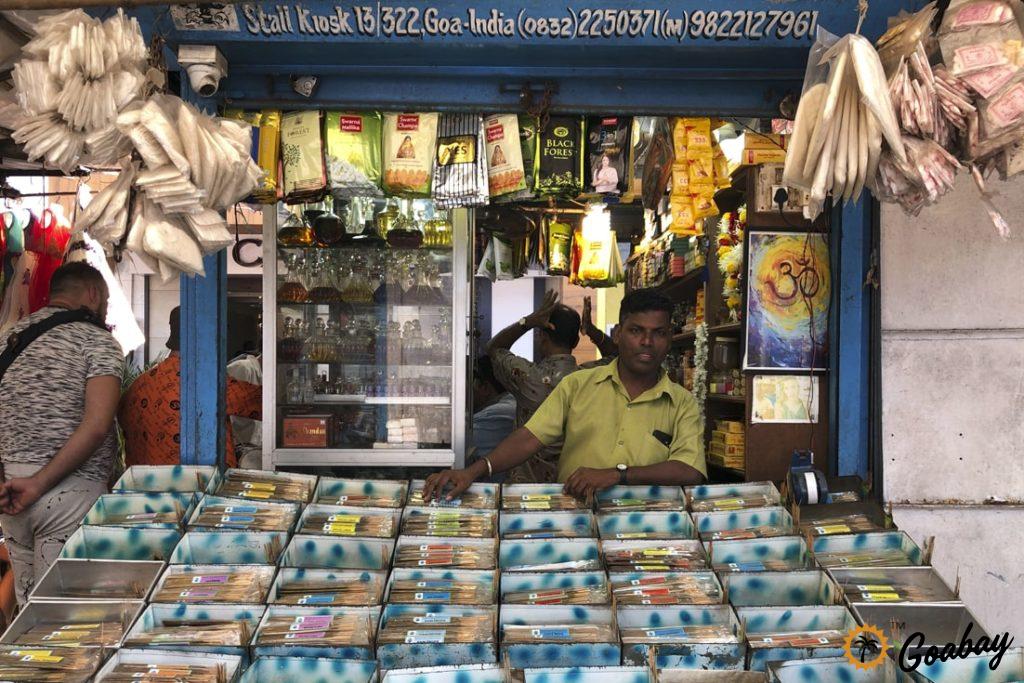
[{"x": 206, "y": 66}]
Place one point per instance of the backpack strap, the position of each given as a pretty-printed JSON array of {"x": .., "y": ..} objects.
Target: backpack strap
[{"x": 19, "y": 341}]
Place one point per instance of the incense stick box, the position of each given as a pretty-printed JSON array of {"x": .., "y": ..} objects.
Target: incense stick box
[
  {"x": 361, "y": 492},
  {"x": 442, "y": 587},
  {"x": 880, "y": 549},
  {"x": 229, "y": 547},
  {"x": 220, "y": 513},
  {"x": 974, "y": 668},
  {"x": 355, "y": 522},
  {"x": 449, "y": 523},
  {"x": 232, "y": 664},
  {"x": 71, "y": 612},
  {"x": 666, "y": 588},
  {"x": 166, "y": 478},
  {"x": 446, "y": 553},
  {"x": 816, "y": 631},
  {"x": 555, "y": 588},
  {"x": 832, "y": 669},
  {"x": 652, "y": 556},
  {"x": 547, "y": 525},
  {"x": 141, "y": 510},
  {"x": 632, "y": 498},
  {"x": 264, "y": 485},
  {"x": 212, "y": 584},
  {"x": 781, "y": 589},
  {"x": 706, "y": 637},
  {"x": 534, "y": 636},
  {"x": 892, "y": 585},
  {"x": 538, "y": 498},
  {"x": 724, "y": 497},
  {"x": 97, "y": 580},
  {"x": 739, "y": 524},
  {"x": 160, "y": 616},
  {"x": 783, "y": 553},
  {"x": 645, "y": 525},
  {"x": 326, "y": 552},
  {"x": 574, "y": 554},
  {"x": 940, "y": 624},
  {"x": 470, "y": 673},
  {"x": 287, "y": 631},
  {"x": 591, "y": 674},
  {"x": 309, "y": 670},
  {"x": 116, "y": 543},
  {"x": 477, "y": 496},
  {"x": 431, "y": 635},
  {"x": 327, "y": 587}
]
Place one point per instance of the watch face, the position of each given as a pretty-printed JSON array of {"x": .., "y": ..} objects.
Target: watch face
[{"x": 620, "y": 468}]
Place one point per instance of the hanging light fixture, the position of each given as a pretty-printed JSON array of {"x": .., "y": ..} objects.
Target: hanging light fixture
[{"x": 597, "y": 222}]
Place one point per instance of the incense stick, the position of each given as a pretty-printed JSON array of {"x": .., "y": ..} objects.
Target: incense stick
[
  {"x": 167, "y": 671},
  {"x": 760, "y": 566},
  {"x": 541, "y": 501},
  {"x": 214, "y": 587},
  {"x": 842, "y": 524},
  {"x": 448, "y": 523},
  {"x": 245, "y": 517},
  {"x": 888, "y": 557},
  {"x": 328, "y": 630},
  {"x": 579, "y": 595},
  {"x": 638, "y": 504},
  {"x": 822, "y": 638},
  {"x": 446, "y": 555},
  {"x": 442, "y": 592},
  {"x": 549, "y": 534},
  {"x": 142, "y": 518},
  {"x": 250, "y": 485},
  {"x": 226, "y": 633},
  {"x": 104, "y": 633},
  {"x": 62, "y": 665},
  {"x": 732, "y": 503},
  {"x": 570, "y": 565},
  {"x": 711, "y": 634},
  {"x": 467, "y": 500},
  {"x": 767, "y": 531},
  {"x": 430, "y": 627},
  {"x": 662, "y": 558},
  {"x": 348, "y": 593},
  {"x": 342, "y": 524},
  {"x": 891, "y": 592},
  {"x": 558, "y": 633},
  {"x": 367, "y": 501},
  {"x": 679, "y": 589}
]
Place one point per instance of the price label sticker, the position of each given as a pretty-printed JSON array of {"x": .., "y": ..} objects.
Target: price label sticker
[
  {"x": 318, "y": 599},
  {"x": 433, "y": 636},
  {"x": 550, "y": 633},
  {"x": 262, "y": 495},
  {"x": 536, "y": 496},
  {"x": 830, "y": 529}
]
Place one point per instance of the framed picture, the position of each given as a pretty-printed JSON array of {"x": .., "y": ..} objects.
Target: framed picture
[
  {"x": 785, "y": 399},
  {"x": 789, "y": 278}
]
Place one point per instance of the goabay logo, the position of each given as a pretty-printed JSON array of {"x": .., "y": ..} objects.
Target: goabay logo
[{"x": 866, "y": 647}]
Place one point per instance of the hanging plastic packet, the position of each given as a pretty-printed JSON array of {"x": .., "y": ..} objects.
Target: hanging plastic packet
[
  {"x": 505, "y": 173},
  {"x": 559, "y": 247},
  {"x": 658, "y": 165},
  {"x": 302, "y": 154},
  {"x": 608, "y": 142},
  {"x": 410, "y": 142},
  {"x": 460, "y": 170},
  {"x": 684, "y": 221},
  {"x": 596, "y": 259},
  {"x": 353, "y": 142},
  {"x": 560, "y": 158},
  {"x": 487, "y": 267},
  {"x": 640, "y": 142},
  {"x": 504, "y": 259},
  {"x": 269, "y": 156},
  {"x": 699, "y": 154}
]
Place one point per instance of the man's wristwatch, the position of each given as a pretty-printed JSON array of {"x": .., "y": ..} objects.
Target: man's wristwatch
[
  {"x": 622, "y": 467},
  {"x": 522, "y": 322}
]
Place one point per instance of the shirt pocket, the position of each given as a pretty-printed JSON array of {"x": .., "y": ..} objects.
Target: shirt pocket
[{"x": 653, "y": 451}]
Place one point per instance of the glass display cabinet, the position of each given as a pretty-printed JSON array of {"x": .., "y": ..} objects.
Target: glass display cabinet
[{"x": 366, "y": 310}]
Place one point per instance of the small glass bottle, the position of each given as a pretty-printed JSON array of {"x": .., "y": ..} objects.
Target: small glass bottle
[
  {"x": 387, "y": 218},
  {"x": 295, "y": 232},
  {"x": 440, "y": 227},
  {"x": 293, "y": 390}
]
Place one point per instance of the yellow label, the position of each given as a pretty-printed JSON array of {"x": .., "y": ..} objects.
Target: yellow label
[
  {"x": 651, "y": 567},
  {"x": 535, "y": 505},
  {"x": 537, "y": 496},
  {"x": 881, "y": 597},
  {"x": 832, "y": 529},
  {"x": 655, "y": 552},
  {"x": 633, "y": 534},
  {"x": 728, "y": 504},
  {"x": 875, "y": 588},
  {"x": 41, "y": 658},
  {"x": 256, "y": 494},
  {"x": 351, "y": 519},
  {"x": 460, "y": 149},
  {"x": 259, "y": 486}
]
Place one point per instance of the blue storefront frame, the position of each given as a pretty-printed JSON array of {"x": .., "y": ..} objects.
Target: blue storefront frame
[{"x": 646, "y": 68}]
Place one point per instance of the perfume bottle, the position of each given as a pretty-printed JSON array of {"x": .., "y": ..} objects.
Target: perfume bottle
[
  {"x": 387, "y": 218},
  {"x": 295, "y": 232}
]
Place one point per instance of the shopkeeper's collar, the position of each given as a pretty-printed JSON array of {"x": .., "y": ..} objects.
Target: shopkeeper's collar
[{"x": 611, "y": 372}]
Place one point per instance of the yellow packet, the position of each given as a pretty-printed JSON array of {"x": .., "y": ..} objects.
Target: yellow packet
[
  {"x": 698, "y": 133},
  {"x": 679, "y": 138},
  {"x": 684, "y": 220},
  {"x": 704, "y": 206},
  {"x": 680, "y": 180}
]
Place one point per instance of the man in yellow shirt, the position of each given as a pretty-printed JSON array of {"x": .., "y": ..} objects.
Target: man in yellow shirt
[{"x": 623, "y": 423}]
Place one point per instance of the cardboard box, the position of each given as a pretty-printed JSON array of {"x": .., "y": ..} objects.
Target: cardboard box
[
  {"x": 756, "y": 157},
  {"x": 306, "y": 431}
]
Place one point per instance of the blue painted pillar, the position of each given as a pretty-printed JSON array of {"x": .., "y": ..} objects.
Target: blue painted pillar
[
  {"x": 204, "y": 304},
  {"x": 851, "y": 337}
]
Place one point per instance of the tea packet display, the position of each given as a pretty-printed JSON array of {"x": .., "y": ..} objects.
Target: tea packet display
[
  {"x": 302, "y": 155},
  {"x": 608, "y": 144},
  {"x": 560, "y": 157},
  {"x": 353, "y": 142},
  {"x": 505, "y": 173},
  {"x": 460, "y": 167},
  {"x": 409, "y": 146}
]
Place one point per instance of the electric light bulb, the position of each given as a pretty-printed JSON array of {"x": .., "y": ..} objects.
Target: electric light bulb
[{"x": 597, "y": 222}]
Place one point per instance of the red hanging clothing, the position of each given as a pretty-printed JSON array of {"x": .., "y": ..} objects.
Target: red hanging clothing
[{"x": 48, "y": 237}]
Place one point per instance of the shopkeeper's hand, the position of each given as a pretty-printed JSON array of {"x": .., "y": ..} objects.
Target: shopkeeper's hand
[
  {"x": 17, "y": 495},
  {"x": 587, "y": 481},
  {"x": 449, "y": 484},
  {"x": 541, "y": 318},
  {"x": 585, "y": 318}
]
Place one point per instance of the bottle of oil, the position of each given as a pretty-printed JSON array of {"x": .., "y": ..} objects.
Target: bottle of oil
[
  {"x": 387, "y": 218},
  {"x": 295, "y": 232},
  {"x": 439, "y": 230}
]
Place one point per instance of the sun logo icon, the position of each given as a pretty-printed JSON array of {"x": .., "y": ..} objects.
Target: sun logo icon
[{"x": 865, "y": 647}]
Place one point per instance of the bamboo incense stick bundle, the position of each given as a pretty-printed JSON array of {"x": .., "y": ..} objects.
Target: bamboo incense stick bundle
[
  {"x": 845, "y": 497},
  {"x": 842, "y": 524},
  {"x": 890, "y": 592},
  {"x": 580, "y": 595},
  {"x": 709, "y": 634},
  {"x": 227, "y": 633},
  {"x": 164, "y": 671},
  {"x": 141, "y": 518},
  {"x": 65, "y": 665},
  {"x": 732, "y": 503},
  {"x": 340, "y": 524},
  {"x": 558, "y": 633},
  {"x": 663, "y": 558},
  {"x": 428, "y": 627},
  {"x": 681, "y": 589},
  {"x": 105, "y": 633},
  {"x": 243, "y": 517},
  {"x": 446, "y": 555},
  {"x": 823, "y": 638},
  {"x": 888, "y": 557},
  {"x": 227, "y": 587},
  {"x": 237, "y": 484},
  {"x": 448, "y": 523},
  {"x": 646, "y": 536},
  {"x": 638, "y": 504},
  {"x": 468, "y": 500},
  {"x": 767, "y": 531},
  {"x": 549, "y": 534},
  {"x": 569, "y": 566},
  {"x": 327, "y": 630},
  {"x": 131, "y": 590},
  {"x": 368, "y": 501},
  {"x": 441, "y": 592},
  {"x": 759, "y": 566},
  {"x": 347, "y": 593},
  {"x": 541, "y": 501}
]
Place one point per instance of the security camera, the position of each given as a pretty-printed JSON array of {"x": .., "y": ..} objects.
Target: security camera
[{"x": 205, "y": 65}]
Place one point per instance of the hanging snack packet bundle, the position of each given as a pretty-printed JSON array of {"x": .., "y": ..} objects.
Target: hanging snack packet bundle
[
  {"x": 560, "y": 158},
  {"x": 640, "y": 142},
  {"x": 266, "y": 149},
  {"x": 559, "y": 247},
  {"x": 353, "y": 143},
  {"x": 694, "y": 178},
  {"x": 409, "y": 145},
  {"x": 505, "y": 173},
  {"x": 608, "y": 144},
  {"x": 303, "y": 157},
  {"x": 460, "y": 169}
]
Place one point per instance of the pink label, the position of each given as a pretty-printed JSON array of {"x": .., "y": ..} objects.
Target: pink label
[
  {"x": 1009, "y": 107},
  {"x": 302, "y": 623},
  {"x": 200, "y": 593},
  {"x": 408, "y": 122},
  {"x": 495, "y": 132},
  {"x": 981, "y": 13},
  {"x": 218, "y": 578},
  {"x": 352, "y": 124},
  {"x": 975, "y": 57},
  {"x": 308, "y": 635},
  {"x": 990, "y": 81}
]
